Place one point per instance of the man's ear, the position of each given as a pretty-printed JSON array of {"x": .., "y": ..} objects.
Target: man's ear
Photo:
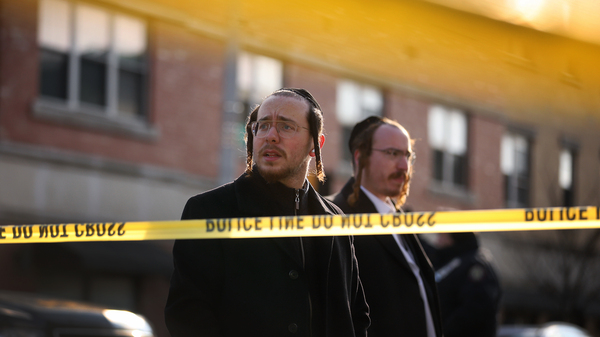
[
  {"x": 355, "y": 157},
  {"x": 321, "y": 142}
]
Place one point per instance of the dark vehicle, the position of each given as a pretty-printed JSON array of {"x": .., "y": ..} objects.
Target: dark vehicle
[
  {"x": 29, "y": 315},
  {"x": 552, "y": 329}
]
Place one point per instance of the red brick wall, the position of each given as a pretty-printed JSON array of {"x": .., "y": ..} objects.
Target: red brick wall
[
  {"x": 186, "y": 74},
  {"x": 485, "y": 177}
]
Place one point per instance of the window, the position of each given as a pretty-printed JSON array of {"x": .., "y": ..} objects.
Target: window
[
  {"x": 355, "y": 102},
  {"x": 257, "y": 77},
  {"x": 514, "y": 163},
  {"x": 92, "y": 60},
  {"x": 447, "y": 129},
  {"x": 566, "y": 176}
]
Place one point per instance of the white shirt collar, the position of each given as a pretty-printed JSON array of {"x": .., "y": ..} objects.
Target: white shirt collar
[{"x": 382, "y": 207}]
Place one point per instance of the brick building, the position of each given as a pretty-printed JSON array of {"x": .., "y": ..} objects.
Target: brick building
[{"x": 113, "y": 110}]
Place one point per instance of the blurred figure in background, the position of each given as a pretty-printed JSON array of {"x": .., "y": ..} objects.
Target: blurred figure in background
[
  {"x": 397, "y": 277},
  {"x": 468, "y": 286}
]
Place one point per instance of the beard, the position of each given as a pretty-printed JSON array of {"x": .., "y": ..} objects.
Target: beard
[
  {"x": 273, "y": 175},
  {"x": 290, "y": 168},
  {"x": 397, "y": 193}
]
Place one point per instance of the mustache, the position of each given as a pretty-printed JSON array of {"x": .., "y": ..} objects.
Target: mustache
[
  {"x": 271, "y": 147},
  {"x": 399, "y": 174}
]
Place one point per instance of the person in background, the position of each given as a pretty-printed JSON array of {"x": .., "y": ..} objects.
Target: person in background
[
  {"x": 396, "y": 274},
  {"x": 468, "y": 286},
  {"x": 269, "y": 287}
]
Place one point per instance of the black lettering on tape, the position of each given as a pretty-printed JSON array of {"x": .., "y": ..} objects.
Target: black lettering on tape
[
  {"x": 247, "y": 228},
  {"x": 583, "y": 214},
  {"x": 397, "y": 220},
  {"x": 289, "y": 223},
  {"x": 16, "y": 232},
  {"x": 222, "y": 224},
  {"x": 383, "y": 224},
  {"x": 328, "y": 221},
  {"x": 541, "y": 214},
  {"x": 430, "y": 221},
  {"x": 561, "y": 214},
  {"x": 419, "y": 223},
  {"x": 2, "y": 229},
  {"x": 571, "y": 218},
  {"x": 346, "y": 221},
  {"x": 54, "y": 228},
  {"x": 257, "y": 222},
  {"x": 316, "y": 222},
  {"x": 43, "y": 231},
  {"x": 111, "y": 229},
  {"x": 597, "y": 213},
  {"x": 406, "y": 219},
  {"x": 22, "y": 230},
  {"x": 529, "y": 215},
  {"x": 101, "y": 229},
  {"x": 368, "y": 224},
  {"x": 210, "y": 225},
  {"x": 357, "y": 224},
  {"x": 27, "y": 231},
  {"x": 77, "y": 232},
  {"x": 89, "y": 229},
  {"x": 300, "y": 225},
  {"x": 322, "y": 220},
  {"x": 121, "y": 230}
]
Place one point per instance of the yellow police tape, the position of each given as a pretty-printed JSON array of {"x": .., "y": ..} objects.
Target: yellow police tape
[{"x": 310, "y": 225}]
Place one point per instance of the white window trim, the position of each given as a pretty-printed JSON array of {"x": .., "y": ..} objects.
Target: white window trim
[
  {"x": 74, "y": 112},
  {"x": 511, "y": 198},
  {"x": 447, "y": 186}
]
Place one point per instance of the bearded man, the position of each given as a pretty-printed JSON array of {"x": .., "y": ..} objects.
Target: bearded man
[
  {"x": 396, "y": 274},
  {"x": 269, "y": 287}
]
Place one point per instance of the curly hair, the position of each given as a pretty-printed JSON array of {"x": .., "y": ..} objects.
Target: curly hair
[
  {"x": 315, "y": 122},
  {"x": 363, "y": 143}
]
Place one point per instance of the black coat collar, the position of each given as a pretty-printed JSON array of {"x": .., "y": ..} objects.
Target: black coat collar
[{"x": 256, "y": 197}]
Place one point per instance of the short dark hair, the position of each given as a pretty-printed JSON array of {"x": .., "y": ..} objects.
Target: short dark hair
[
  {"x": 315, "y": 123},
  {"x": 361, "y": 140}
]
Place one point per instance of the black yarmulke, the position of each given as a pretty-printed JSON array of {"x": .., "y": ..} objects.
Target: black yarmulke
[{"x": 362, "y": 126}]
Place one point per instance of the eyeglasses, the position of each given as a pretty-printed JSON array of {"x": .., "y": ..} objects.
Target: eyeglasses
[
  {"x": 285, "y": 129},
  {"x": 395, "y": 154}
]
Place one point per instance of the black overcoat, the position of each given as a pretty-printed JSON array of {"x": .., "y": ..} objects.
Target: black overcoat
[
  {"x": 391, "y": 289},
  {"x": 259, "y": 287}
]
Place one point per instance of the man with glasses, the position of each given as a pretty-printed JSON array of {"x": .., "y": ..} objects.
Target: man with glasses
[
  {"x": 295, "y": 286},
  {"x": 396, "y": 274}
]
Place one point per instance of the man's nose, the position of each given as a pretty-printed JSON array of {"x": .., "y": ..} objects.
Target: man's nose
[
  {"x": 402, "y": 163},
  {"x": 272, "y": 134}
]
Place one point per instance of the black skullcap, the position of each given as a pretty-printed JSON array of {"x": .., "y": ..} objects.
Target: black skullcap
[{"x": 362, "y": 126}]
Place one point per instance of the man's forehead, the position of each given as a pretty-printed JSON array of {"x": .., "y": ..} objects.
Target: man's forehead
[
  {"x": 283, "y": 107},
  {"x": 390, "y": 136}
]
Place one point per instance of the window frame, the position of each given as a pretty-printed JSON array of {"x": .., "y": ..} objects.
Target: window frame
[
  {"x": 449, "y": 160},
  {"x": 74, "y": 111},
  {"x": 512, "y": 181},
  {"x": 567, "y": 196}
]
